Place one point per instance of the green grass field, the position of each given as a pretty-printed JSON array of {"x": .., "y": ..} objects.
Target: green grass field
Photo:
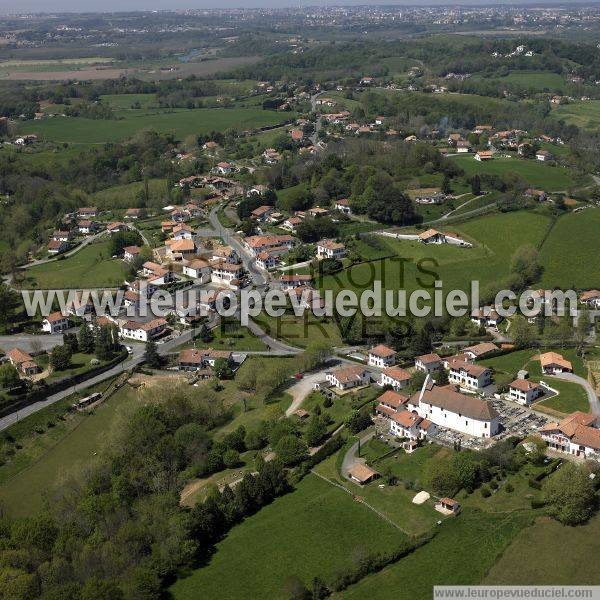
[
  {"x": 535, "y": 173},
  {"x": 462, "y": 552},
  {"x": 91, "y": 267},
  {"x": 126, "y": 101},
  {"x": 125, "y": 196},
  {"x": 570, "y": 250},
  {"x": 538, "y": 80},
  {"x": 532, "y": 556},
  {"x": 317, "y": 530},
  {"x": 69, "y": 449},
  {"x": 585, "y": 115},
  {"x": 495, "y": 237},
  {"x": 179, "y": 122}
]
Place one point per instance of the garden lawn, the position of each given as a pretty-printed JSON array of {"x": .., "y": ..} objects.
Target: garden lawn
[
  {"x": 300, "y": 331},
  {"x": 90, "y": 267},
  {"x": 462, "y": 552},
  {"x": 532, "y": 556},
  {"x": 534, "y": 172},
  {"x": 572, "y": 397},
  {"x": 312, "y": 532},
  {"x": 179, "y": 122},
  {"x": 229, "y": 337},
  {"x": 571, "y": 250}
]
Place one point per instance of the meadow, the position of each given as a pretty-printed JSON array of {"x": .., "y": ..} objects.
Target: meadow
[
  {"x": 179, "y": 122},
  {"x": 461, "y": 553},
  {"x": 538, "y": 544},
  {"x": 68, "y": 448},
  {"x": 538, "y": 80},
  {"x": 535, "y": 173},
  {"x": 91, "y": 267},
  {"x": 585, "y": 115},
  {"x": 315, "y": 531},
  {"x": 571, "y": 250}
]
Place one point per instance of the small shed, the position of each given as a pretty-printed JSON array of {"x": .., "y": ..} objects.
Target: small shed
[{"x": 362, "y": 474}]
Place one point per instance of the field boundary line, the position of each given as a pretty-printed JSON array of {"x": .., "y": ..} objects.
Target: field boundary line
[{"x": 364, "y": 503}]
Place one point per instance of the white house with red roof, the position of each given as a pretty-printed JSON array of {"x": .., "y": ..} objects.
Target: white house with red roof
[
  {"x": 468, "y": 376},
  {"x": 577, "y": 435},
  {"x": 143, "y": 332},
  {"x": 428, "y": 363},
  {"x": 55, "y": 323},
  {"x": 381, "y": 356},
  {"x": 397, "y": 377},
  {"x": 524, "y": 391},
  {"x": 348, "y": 377}
]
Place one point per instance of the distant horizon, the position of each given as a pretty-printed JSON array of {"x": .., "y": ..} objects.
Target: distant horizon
[{"x": 39, "y": 7}]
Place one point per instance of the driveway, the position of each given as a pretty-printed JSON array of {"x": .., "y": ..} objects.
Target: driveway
[
  {"x": 302, "y": 388},
  {"x": 351, "y": 458},
  {"x": 585, "y": 384}
]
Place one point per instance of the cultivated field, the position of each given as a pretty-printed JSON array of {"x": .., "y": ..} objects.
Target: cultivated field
[{"x": 179, "y": 122}]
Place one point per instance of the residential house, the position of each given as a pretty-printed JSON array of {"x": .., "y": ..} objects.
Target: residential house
[
  {"x": 406, "y": 424},
  {"x": 116, "y": 227},
  {"x": 62, "y": 236},
  {"x": 194, "y": 359},
  {"x": 56, "y": 247},
  {"x": 381, "y": 356},
  {"x": 199, "y": 269},
  {"x": 143, "y": 332},
  {"x": 330, "y": 249},
  {"x": 55, "y": 322},
  {"x": 348, "y": 377},
  {"x": 524, "y": 391},
  {"x": 87, "y": 212},
  {"x": 133, "y": 213},
  {"x": 181, "y": 231},
  {"x": 317, "y": 212},
  {"x": 543, "y": 155},
  {"x": 591, "y": 298},
  {"x": 223, "y": 168},
  {"x": 289, "y": 282},
  {"x": 85, "y": 226},
  {"x": 554, "y": 364},
  {"x": 433, "y": 236},
  {"x": 389, "y": 403},
  {"x": 486, "y": 316},
  {"x": 260, "y": 243},
  {"x": 463, "y": 146},
  {"x": 177, "y": 250},
  {"x": 472, "y": 377},
  {"x": 483, "y": 155},
  {"x": 225, "y": 273},
  {"x": 578, "y": 435},
  {"x": 261, "y": 213},
  {"x": 343, "y": 205},
  {"x": 428, "y": 363},
  {"x": 481, "y": 350},
  {"x": 397, "y": 377},
  {"x": 23, "y": 362},
  {"x": 362, "y": 474},
  {"x": 130, "y": 253},
  {"x": 291, "y": 223}
]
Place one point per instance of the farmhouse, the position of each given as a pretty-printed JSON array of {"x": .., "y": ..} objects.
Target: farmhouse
[
  {"x": 543, "y": 155},
  {"x": 133, "y": 213},
  {"x": 484, "y": 155},
  {"x": 473, "y": 377},
  {"x": 223, "y": 168},
  {"x": 181, "y": 231},
  {"x": 157, "y": 274},
  {"x": 61, "y": 236},
  {"x": 23, "y": 362},
  {"x": 291, "y": 223},
  {"x": 381, "y": 356},
  {"x": 553, "y": 363},
  {"x": 55, "y": 323},
  {"x": 85, "y": 226},
  {"x": 116, "y": 227},
  {"x": 524, "y": 391},
  {"x": 432, "y": 236},
  {"x": 448, "y": 408},
  {"x": 346, "y": 378},
  {"x": 397, "y": 377},
  {"x": 193, "y": 359},
  {"x": 330, "y": 249},
  {"x": 577, "y": 434},
  {"x": 143, "y": 331},
  {"x": 259, "y": 243},
  {"x": 463, "y": 146},
  {"x": 428, "y": 363},
  {"x": 178, "y": 249}
]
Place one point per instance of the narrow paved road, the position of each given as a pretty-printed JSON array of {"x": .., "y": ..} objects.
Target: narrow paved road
[{"x": 591, "y": 393}]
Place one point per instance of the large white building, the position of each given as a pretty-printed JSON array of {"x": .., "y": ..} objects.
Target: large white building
[
  {"x": 397, "y": 377},
  {"x": 448, "y": 408},
  {"x": 346, "y": 378},
  {"x": 142, "y": 332}
]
